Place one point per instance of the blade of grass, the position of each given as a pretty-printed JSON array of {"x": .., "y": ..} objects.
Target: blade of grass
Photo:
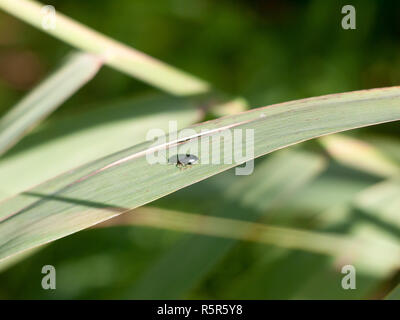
[
  {"x": 360, "y": 155},
  {"x": 109, "y": 186},
  {"x": 116, "y": 125},
  {"x": 381, "y": 203},
  {"x": 311, "y": 241},
  {"x": 44, "y": 99},
  {"x": 6, "y": 264},
  {"x": 114, "y": 53}
]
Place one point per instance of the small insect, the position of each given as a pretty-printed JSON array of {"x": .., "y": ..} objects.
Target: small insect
[{"x": 183, "y": 160}]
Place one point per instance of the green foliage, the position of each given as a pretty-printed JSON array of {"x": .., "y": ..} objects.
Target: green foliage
[
  {"x": 283, "y": 232},
  {"x": 77, "y": 70}
]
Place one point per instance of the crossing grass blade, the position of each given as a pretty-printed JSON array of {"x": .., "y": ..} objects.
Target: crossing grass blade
[
  {"x": 48, "y": 96},
  {"x": 360, "y": 155},
  {"x": 114, "y": 53},
  {"x": 124, "y": 180},
  {"x": 330, "y": 244}
]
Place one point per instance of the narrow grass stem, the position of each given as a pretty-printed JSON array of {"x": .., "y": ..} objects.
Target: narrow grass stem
[{"x": 114, "y": 53}]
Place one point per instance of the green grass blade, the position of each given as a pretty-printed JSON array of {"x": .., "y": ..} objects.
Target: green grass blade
[
  {"x": 114, "y": 53},
  {"x": 15, "y": 259},
  {"x": 311, "y": 241},
  {"x": 381, "y": 203},
  {"x": 44, "y": 99},
  {"x": 118, "y": 125},
  {"x": 109, "y": 186},
  {"x": 237, "y": 229},
  {"x": 359, "y": 154}
]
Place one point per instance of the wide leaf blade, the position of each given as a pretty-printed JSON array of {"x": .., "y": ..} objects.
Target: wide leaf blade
[{"x": 124, "y": 180}]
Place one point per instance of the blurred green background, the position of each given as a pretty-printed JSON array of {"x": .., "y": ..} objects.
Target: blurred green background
[{"x": 267, "y": 52}]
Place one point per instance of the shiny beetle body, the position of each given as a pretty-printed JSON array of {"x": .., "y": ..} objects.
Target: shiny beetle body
[{"x": 183, "y": 160}]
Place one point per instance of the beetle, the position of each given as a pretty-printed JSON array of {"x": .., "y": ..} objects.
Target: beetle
[{"x": 183, "y": 160}]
